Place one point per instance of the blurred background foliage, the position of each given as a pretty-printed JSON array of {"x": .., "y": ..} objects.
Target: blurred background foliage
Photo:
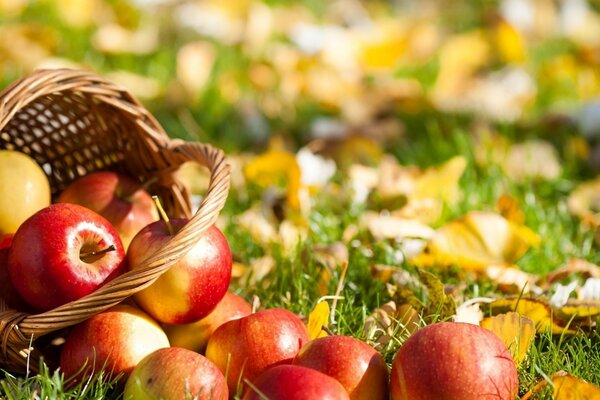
[{"x": 238, "y": 72}]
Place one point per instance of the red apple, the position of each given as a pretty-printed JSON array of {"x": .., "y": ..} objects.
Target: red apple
[
  {"x": 293, "y": 382},
  {"x": 8, "y": 294},
  {"x": 195, "y": 336},
  {"x": 244, "y": 347},
  {"x": 118, "y": 338},
  {"x": 453, "y": 360},
  {"x": 356, "y": 365},
  {"x": 62, "y": 253},
  {"x": 192, "y": 287},
  {"x": 174, "y": 373},
  {"x": 117, "y": 197}
]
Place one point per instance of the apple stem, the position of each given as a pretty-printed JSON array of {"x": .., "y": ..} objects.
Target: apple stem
[
  {"x": 88, "y": 254},
  {"x": 163, "y": 214},
  {"x": 327, "y": 330}
]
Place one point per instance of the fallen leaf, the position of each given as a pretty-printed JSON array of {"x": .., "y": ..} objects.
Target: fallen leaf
[
  {"x": 481, "y": 239},
  {"x": 468, "y": 312},
  {"x": 317, "y": 319},
  {"x": 532, "y": 160},
  {"x": 194, "y": 65},
  {"x": 509, "y": 42},
  {"x": 384, "y": 226},
  {"x": 510, "y": 279},
  {"x": 584, "y": 202},
  {"x": 573, "y": 266},
  {"x": 390, "y": 321},
  {"x": 538, "y": 311},
  {"x": 509, "y": 208},
  {"x": 276, "y": 168},
  {"x": 566, "y": 387},
  {"x": 516, "y": 331}
]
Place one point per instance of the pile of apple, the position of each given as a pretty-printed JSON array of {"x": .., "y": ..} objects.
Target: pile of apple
[{"x": 186, "y": 334}]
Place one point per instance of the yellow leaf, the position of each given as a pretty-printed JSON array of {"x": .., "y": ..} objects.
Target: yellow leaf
[
  {"x": 566, "y": 387},
  {"x": 509, "y": 208},
  {"x": 539, "y": 312},
  {"x": 460, "y": 58},
  {"x": 569, "y": 387},
  {"x": 383, "y": 48},
  {"x": 481, "y": 239},
  {"x": 276, "y": 168},
  {"x": 516, "y": 331},
  {"x": 584, "y": 202},
  {"x": 317, "y": 319},
  {"x": 509, "y": 42},
  {"x": 441, "y": 182}
]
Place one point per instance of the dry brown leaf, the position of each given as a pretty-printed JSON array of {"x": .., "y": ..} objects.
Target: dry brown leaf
[
  {"x": 573, "y": 266},
  {"x": 389, "y": 321},
  {"x": 516, "y": 331}
]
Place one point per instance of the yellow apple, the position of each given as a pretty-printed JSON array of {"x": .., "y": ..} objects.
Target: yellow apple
[{"x": 24, "y": 189}]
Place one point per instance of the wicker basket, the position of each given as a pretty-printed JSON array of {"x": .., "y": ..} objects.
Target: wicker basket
[{"x": 72, "y": 123}]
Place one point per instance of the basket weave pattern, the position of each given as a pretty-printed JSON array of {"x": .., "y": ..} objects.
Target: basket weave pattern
[{"x": 73, "y": 123}]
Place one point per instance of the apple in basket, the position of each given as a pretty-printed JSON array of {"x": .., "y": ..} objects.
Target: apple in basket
[
  {"x": 62, "y": 253},
  {"x": 117, "y": 197},
  {"x": 245, "y": 347},
  {"x": 24, "y": 189},
  {"x": 191, "y": 288},
  {"x": 175, "y": 373}
]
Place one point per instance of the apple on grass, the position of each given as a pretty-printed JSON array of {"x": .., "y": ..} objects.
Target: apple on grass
[
  {"x": 118, "y": 338},
  {"x": 356, "y": 365},
  {"x": 62, "y": 253},
  {"x": 194, "y": 285},
  {"x": 120, "y": 199},
  {"x": 453, "y": 361},
  {"x": 244, "y": 347},
  {"x": 293, "y": 382},
  {"x": 175, "y": 373},
  {"x": 195, "y": 336},
  {"x": 24, "y": 189}
]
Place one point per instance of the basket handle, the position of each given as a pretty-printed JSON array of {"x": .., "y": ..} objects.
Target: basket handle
[{"x": 133, "y": 281}]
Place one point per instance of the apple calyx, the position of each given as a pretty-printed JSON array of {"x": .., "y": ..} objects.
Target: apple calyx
[
  {"x": 163, "y": 214},
  {"x": 92, "y": 256}
]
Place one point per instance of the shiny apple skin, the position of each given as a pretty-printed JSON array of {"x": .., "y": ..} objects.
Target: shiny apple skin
[
  {"x": 453, "y": 361},
  {"x": 356, "y": 365},
  {"x": 117, "y": 197},
  {"x": 8, "y": 294},
  {"x": 44, "y": 261},
  {"x": 119, "y": 337},
  {"x": 245, "y": 347},
  {"x": 194, "y": 285},
  {"x": 172, "y": 373},
  {"x": 24, "y": 189},
  {"x": 293, "y": 382},
  {"x": 195, "y": 336}
]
